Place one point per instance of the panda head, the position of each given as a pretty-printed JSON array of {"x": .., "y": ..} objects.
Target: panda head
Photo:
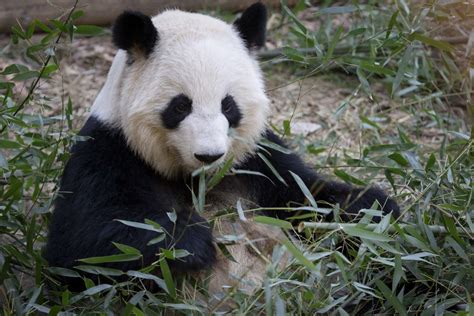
[{"x": 185, "y": 88}]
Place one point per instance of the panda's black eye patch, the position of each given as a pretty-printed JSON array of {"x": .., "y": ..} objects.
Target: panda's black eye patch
[
  {"x": 176, "y": 111},
  {"x": 231, "y": 111}
]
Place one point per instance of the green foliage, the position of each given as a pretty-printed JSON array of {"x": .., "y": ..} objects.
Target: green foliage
[
  {"x": 419, "y": 264},
  {"x": 384, "y": 41},
  {"x": 424, "y": 266}
]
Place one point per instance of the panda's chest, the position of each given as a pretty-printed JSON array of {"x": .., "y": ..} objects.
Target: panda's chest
[{"x": 225, "y": 197}]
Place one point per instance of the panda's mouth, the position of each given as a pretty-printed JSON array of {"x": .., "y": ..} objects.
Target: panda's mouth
[{"x": 209, "y": 168}]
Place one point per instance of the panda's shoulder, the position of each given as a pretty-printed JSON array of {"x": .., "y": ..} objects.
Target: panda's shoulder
[
  {"x": 101, "y": 151},
  {"x": 100, "y": 140}
]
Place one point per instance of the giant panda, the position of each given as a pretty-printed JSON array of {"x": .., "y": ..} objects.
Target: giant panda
[{"x": 184, "y": 92}]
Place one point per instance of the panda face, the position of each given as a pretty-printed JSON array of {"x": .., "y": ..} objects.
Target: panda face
[{"x": 197, "y": 97}]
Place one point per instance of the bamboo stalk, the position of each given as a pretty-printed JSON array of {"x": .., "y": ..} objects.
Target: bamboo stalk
[{"x": 436, "y": 229}]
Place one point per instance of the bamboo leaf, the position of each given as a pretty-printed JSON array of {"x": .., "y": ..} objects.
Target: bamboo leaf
[
  {"x": 217, "y": 177},
  {"x": 431, "y": 42},
  {"x": 165, "y": 271},
  {"x": 391, "y": 298},
  {"x": 99, "y": 270},
  {"x": 375, "y": 68},
  {"x": 298, "y": 254},
  {"x": 402, "y": 66},
  {"x": 304, "y": 189},
  {"x": 88, "y": 30},
  {"x": 141, "y": 225},
  {"x": 348, "y": 178},
  {"x": 112, "y": 258},
  {"x": 127, "y": 249},
  {"x": 272, "y": 169},
  {"x": 332, "y": 44},
  {"x": 273, "y": 222},
  {"x": 366, "y": 234},
  {"x": 160, "y": 282},
  {"x": 338, "y": 10},
  {"x": 391, "y": 23}
]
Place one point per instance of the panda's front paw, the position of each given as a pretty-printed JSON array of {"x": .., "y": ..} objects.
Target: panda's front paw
[
  {"x": 365, "y": 198},
  {"x": 192, "y": 233}
]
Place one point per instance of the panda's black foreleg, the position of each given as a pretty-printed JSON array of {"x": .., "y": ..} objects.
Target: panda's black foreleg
[
  {"x": 351, "y": 199},
  {"x": 272, "y": 192},
  {"x": 192, "y": 233},
  {"x": 103, "y": 227},
  {"x": 188, "y": 231}
]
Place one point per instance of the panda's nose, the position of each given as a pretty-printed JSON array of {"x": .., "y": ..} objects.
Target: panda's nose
[{"x": 208, "y": 158}]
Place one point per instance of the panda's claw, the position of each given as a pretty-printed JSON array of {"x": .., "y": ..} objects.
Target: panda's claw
[
  {"x": 194, "y": 235},
  {"x": 364, "y": 199}
]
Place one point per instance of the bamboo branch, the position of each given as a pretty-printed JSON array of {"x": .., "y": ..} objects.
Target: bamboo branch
[
  {"x": 43, "y": 68},
  {"x": 436, "y": 229},
  {"x": 344, "y": 49}
]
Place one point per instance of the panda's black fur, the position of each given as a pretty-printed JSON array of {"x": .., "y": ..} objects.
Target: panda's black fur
[
  {"x": 104, "y": 180},
  {"x": 252, "y": 24},
  {"x": 134, "y": 30}
]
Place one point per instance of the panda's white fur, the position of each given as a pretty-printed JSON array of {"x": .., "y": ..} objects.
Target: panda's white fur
[{"x": 203, "y": 58}]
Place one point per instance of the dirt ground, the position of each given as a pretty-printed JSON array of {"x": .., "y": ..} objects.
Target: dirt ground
[{"x": 311, "y": 103}]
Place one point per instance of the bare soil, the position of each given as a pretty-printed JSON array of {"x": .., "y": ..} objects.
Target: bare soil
[{"x": 310, "y": 103}]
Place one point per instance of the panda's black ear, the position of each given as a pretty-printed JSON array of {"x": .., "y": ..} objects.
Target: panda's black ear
[
  {"x": 134, "y": 32},
  {"x": 252, "y": 25}
]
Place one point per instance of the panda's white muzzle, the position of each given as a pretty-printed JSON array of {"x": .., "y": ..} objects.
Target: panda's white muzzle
[{"x": 202, "y": 139}]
